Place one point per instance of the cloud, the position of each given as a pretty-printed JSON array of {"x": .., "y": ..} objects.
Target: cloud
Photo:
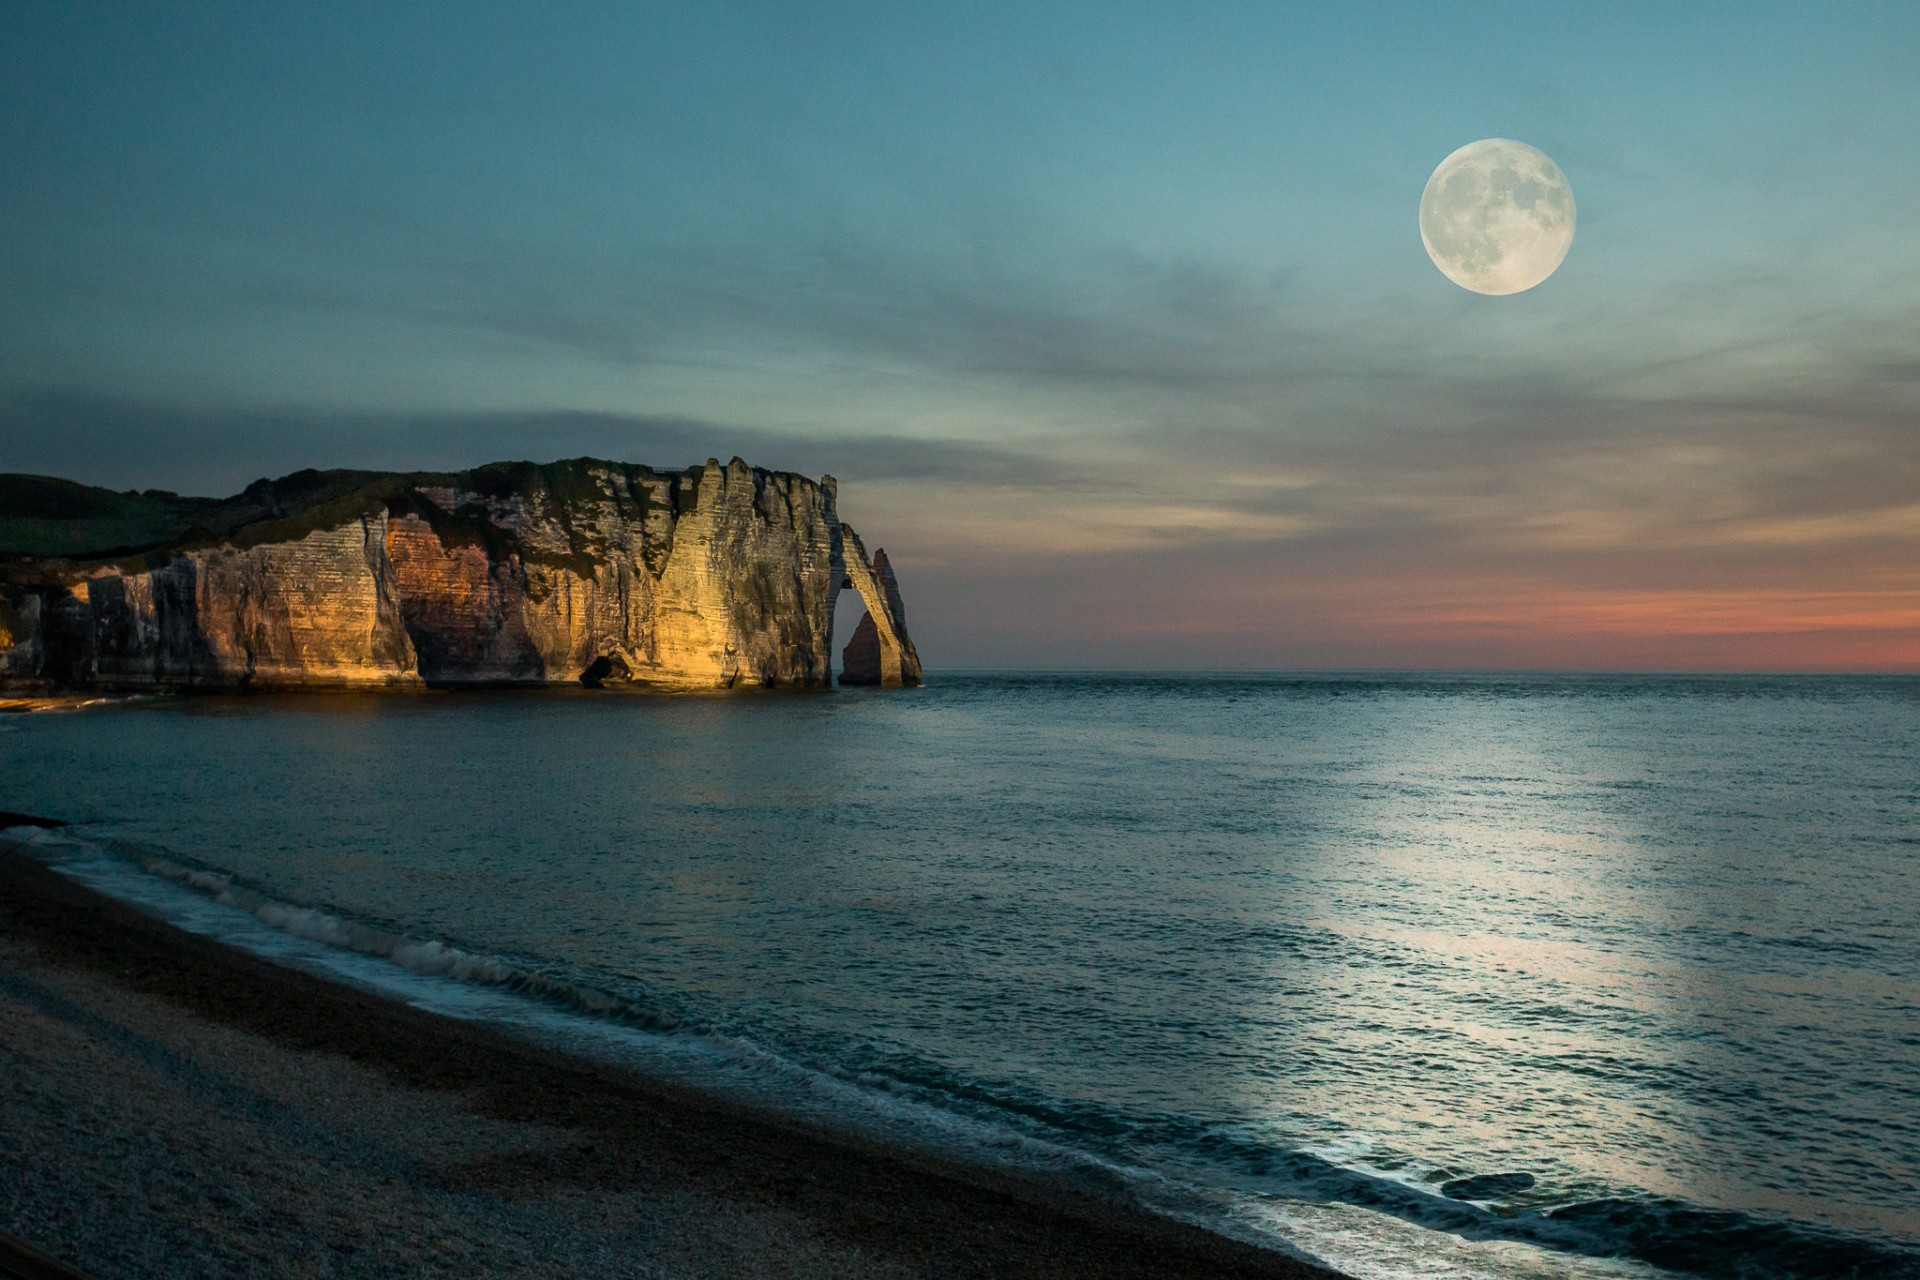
[
  {"x": 130, "y": 443},
  {"x": 1200, "y": 464}
]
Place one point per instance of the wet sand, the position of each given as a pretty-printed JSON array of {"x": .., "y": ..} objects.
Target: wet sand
[{"x": 169, "y": 1106}]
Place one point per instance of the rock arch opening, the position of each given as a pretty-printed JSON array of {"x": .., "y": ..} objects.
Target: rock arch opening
[{"x": 878, "y": 650}]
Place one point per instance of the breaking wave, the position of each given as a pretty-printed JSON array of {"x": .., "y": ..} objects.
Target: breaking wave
[{"x": 1216, "y": 1175}]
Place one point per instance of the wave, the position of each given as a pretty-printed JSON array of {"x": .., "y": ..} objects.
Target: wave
[
  {"x": 464, "y": 982},
  {"x": 426, "y": 957},
  {"x": 1220, "y": 1175}
]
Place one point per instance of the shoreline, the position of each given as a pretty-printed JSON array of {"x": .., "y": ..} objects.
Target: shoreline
[
  {"x": 27, "y": 704},
  {"x": 298, "y": 1127}
]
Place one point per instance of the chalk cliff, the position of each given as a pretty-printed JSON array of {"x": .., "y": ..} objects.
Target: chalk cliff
[
  {"x": 871, "y": 657},
  {"x": 716, "y": 576}
]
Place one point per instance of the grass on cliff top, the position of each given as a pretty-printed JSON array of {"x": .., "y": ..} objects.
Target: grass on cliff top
[{"x": 44, "y": 518}]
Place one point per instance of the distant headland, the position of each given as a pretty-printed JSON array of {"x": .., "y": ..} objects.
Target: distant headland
[{"x": 581, "y": 571}]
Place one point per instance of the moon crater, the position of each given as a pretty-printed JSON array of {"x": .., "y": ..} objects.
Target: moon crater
[{"x": 1497, "y": 216}]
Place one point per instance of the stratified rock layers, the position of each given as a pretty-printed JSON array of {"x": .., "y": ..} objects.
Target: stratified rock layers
[{"x": 719, "y": 576}]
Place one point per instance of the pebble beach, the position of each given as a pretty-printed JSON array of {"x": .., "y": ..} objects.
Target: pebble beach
[{"x": 169, "y": 1107}]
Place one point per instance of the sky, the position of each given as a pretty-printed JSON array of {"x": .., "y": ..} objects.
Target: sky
[{"x": 1112, "y": 319}]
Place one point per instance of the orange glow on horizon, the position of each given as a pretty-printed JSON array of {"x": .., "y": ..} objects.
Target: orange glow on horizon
[
  {"x": 1729, "y": 630},
  {"x": 1457, "y": 625},
  {"x": 1692, "y": 613}
]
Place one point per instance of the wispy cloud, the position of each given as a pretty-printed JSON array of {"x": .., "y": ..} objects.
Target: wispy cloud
[{"x": 1175, "y": 423}]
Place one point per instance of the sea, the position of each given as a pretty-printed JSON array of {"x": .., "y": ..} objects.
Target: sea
[{"x": 1466, "y": 975}]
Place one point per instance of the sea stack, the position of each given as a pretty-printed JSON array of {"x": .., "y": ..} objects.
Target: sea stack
[{"x": 513, "y": 573}]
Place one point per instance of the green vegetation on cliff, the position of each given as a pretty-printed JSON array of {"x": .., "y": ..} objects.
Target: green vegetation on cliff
[
  {"x": 514, "y": 572},
  {"x": 43, "y": 518}
]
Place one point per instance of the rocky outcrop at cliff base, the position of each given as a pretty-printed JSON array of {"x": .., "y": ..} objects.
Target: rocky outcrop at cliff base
[{"x": 513, "y": 573}]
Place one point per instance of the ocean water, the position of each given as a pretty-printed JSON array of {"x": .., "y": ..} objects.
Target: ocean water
[{"x": 1520, "y": 975}]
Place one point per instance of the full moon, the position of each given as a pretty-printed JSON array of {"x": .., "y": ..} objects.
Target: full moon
[{"x": 1497, "y": 216}]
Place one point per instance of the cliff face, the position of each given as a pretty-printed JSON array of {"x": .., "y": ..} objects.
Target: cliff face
[{"x": 717, "y": 576}]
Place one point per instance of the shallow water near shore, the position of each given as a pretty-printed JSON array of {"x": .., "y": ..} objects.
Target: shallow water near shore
[{"x": 1510, "y": 975}]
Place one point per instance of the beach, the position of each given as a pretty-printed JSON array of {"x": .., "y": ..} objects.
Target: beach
[
  {"x": 169, "y": 1106},
  {"x": 973, "y": 982}
]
